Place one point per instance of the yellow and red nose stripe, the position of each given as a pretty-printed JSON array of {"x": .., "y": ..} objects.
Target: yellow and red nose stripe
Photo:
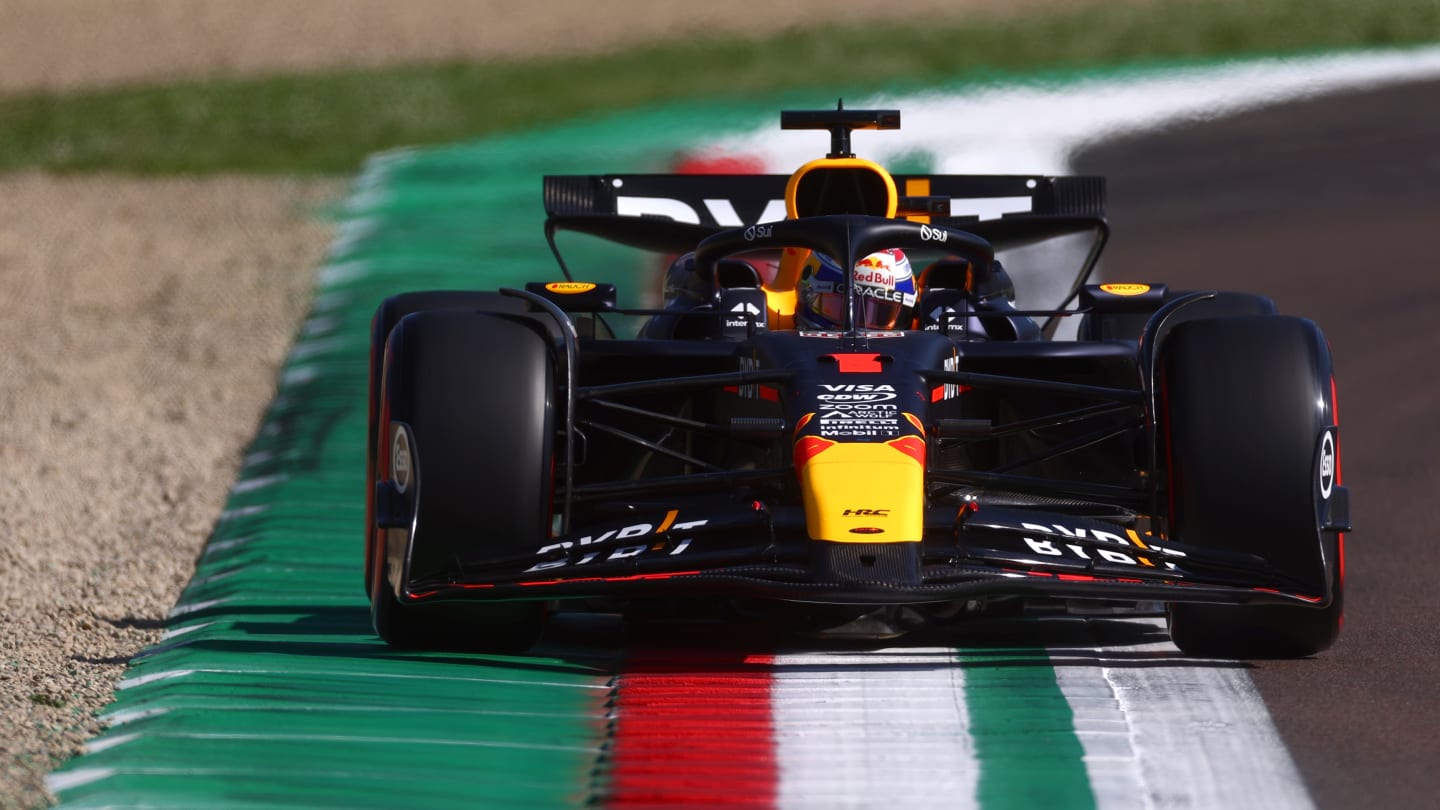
[{"x": 863, "y": 492}]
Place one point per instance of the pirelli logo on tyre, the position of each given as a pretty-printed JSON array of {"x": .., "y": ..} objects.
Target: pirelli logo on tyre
[
  {"x": 569, "y": 287},
  {"x": 1327, "y": 464},
  {"x": 401, "y": 463},
  {"x": 1125, "y": 289}
]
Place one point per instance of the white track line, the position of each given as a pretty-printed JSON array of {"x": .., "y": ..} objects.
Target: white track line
[
  {"x": 1161, "y": 731},
  {"x": 874, "y": 729}
]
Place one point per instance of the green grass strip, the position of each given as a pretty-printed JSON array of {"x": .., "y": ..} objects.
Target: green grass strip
[{"x": 328, "y": 123}]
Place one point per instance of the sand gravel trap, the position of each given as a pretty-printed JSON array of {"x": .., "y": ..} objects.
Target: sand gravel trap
[{"x": 141, "y": 321}]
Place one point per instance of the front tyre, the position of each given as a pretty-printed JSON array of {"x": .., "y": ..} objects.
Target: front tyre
[
  {"x": 1244, "y": 403},
  {"x": 387, "y": 315},
  {"x": 470, "y": 396}
]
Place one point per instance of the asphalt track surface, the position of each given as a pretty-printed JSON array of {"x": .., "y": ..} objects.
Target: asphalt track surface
[{"x": 1332, "y": 208}]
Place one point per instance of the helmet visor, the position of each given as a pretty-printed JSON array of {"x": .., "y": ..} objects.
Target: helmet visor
[{"x": 876, "y": 313}]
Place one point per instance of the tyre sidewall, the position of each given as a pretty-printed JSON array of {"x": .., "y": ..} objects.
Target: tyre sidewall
[{"x": 1244, "y": 404}]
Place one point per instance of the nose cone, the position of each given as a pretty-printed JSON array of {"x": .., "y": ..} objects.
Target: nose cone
[{"x": 863, "y": 492}]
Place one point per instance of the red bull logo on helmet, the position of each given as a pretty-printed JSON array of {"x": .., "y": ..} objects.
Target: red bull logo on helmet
[
  {"x": 888, "y": 275},
  {"x": 884, "y": 272}
]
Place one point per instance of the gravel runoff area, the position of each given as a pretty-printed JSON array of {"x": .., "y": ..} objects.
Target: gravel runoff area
[
  {"x": 142, "y": 320},
  {"x": 141, "y": 323}
]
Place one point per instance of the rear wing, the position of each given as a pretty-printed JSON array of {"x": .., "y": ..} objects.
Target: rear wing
[{"x": 673, "y": 212}]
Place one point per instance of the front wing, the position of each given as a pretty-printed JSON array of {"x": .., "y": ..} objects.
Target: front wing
[{"x": 968, "y": 553}]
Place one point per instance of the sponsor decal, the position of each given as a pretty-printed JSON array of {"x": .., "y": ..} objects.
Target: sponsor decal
[
  {"x": 836, "y": 408},
  {"x": 861, "y": 429},
  {"x": 823, "y": 334},
  {"x": 632, "y": 532},
  {"x": 758, "y": 232},
  {"x": 1057, "y": 547},
  {"x": 929, "y": 234},
  {"x": 946, "y": 316},
  {"x": 753, "y": 390},
  {"x": 948, "y": 390},
  {"x": 1125, "y": 289},
  {"x": 569, "y": 287},
  {"x": 1048, "y": 547},
  {"x": 744, "y": 308},
  {"x": 858, "y": 411},
  {"x": 881, "y": 289},
  {"x": 895, "y": 296},
  {"x": 720, "y": 211},
  {"x": 868, "y": 512},
  {"x": 870, "y": 272},
  {"x": 401, "y": 465},
  {"x": 856, "y": 392},
  {"x": 1327, "y": 465}
]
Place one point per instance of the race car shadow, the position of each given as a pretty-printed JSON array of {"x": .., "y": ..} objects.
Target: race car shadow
[
  {"x": 1045, "y": 641},
  {"x": 587, "y": 642}
]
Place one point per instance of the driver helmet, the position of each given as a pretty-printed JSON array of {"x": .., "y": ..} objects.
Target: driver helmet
[{"x": 883, "y": 282}]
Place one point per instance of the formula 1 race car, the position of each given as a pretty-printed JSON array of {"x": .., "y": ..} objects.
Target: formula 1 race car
[{"x": 867, "y": 402}]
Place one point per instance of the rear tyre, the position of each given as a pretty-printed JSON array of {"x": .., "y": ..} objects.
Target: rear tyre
[
  {"x": 1244, "y": 402},
  {"x": 389, "y": 313},
  {"x": 473, "y": 392}
]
